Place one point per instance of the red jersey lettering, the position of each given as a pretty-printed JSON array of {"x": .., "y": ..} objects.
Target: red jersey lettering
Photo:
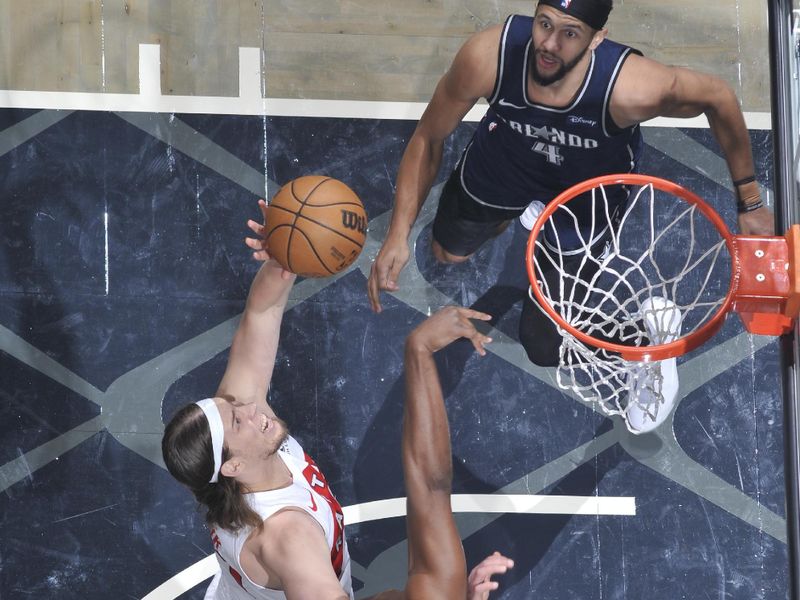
[
  {"x": 215, "y": 539},
  {"x": 317, "y": 481},
  {"x": 236, "y": 576}
]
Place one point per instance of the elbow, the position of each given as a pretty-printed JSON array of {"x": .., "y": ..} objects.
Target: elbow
[
  {"x": 430, "y": 478},
  {"x": 723, "y": 100},
  {"x": 440, "y": 483}
]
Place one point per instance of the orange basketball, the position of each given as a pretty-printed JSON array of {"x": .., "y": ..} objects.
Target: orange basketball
[{"x": 316, "y": 226}]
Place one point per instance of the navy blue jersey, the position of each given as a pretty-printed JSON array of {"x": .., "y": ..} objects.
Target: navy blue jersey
[{"x": 523, "y": 151}]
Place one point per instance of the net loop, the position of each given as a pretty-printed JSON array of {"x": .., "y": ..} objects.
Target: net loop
[{"x": 628, "y": 272}]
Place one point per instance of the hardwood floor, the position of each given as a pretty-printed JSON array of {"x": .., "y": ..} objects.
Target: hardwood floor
[{"x": 342, "y": 49}]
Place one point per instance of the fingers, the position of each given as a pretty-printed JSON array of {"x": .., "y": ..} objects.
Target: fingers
[
  {"x": 480, "y": 583},
  {"x": 470, "y": 332},
  {"x": 254, "y": 243},
  {"x": 478, "y": 340},
  {"x": 256, "y": 228},
  {"x": 373, "y": 291},
  {"x": 258, "y": 245},
  {"x": 482, "y": 590},
  {"x": 474, "y": 314},
  {"x": 384, "y": 273},
  {"x": 386, "y": 276},
  {"x": 391, "y": 275},
  {"x": 448, "y": 325},
  {"x": 757, "y": 222},
  {"x": 260, "y": 252}
]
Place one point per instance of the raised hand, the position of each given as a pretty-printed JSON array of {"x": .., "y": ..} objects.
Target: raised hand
[
  {"x": 479, "y": 582},
  {"x": 448, "y": 325},
  {"x": 259, "y": 243}
]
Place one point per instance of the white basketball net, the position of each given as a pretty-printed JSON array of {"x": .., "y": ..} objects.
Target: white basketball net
[{"x": 663, "y": 273}]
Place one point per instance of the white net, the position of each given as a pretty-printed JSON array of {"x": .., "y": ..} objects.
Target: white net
[{"x": 637, "y": 274}]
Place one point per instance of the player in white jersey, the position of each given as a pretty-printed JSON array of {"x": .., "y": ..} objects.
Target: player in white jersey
[
  {"x": 277, "y": 528},
  {"x": 309, "y": 492}
]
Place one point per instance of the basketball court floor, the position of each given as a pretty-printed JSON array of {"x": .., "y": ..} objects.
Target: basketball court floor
[{"x": 122, "y": 277}]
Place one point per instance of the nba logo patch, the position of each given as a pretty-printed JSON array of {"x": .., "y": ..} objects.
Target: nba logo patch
[
  {"x": 565, "y": 3},
  {"x": 492, "y": 126}
]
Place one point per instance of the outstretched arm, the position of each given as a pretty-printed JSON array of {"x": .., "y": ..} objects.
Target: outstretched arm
[
  {"x": 470, "y": 77},
  {"x": 255, "y": 343},
  {"x": 647, "y": 89},
  {"x": 436, "y": 557}
]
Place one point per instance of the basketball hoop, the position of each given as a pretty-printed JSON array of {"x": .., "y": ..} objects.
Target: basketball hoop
[{"x": 634, "y": 269}]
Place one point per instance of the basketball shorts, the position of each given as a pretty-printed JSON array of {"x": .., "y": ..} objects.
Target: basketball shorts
[{"x": 462, "y": 225}]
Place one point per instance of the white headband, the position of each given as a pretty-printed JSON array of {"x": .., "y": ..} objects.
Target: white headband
[{"x": 210, "y": 410}]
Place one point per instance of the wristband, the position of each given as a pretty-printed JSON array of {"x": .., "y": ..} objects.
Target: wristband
[
  {"x": 744, "y": 180},
  {"x": 741, "y": 207},
  {"x": 748, "y": 196}
]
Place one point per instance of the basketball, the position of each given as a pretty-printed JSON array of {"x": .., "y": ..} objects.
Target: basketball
[{"x": 316, "y": 226}]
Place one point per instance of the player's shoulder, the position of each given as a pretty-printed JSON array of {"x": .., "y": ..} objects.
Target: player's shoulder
[
  {"x": 286, "y": 531},
  {"x": 639, "y": 66},
  {"x": 485, "y": 39},
  {"x": 478, "y": 54},
  {"x": 642, "y": 78}
]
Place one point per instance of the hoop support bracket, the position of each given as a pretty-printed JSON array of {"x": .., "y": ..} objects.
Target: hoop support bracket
[{"x": 767, "y": 296}]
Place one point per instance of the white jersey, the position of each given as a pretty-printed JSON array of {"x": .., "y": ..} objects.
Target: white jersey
[{"x": 309, "y": 492}]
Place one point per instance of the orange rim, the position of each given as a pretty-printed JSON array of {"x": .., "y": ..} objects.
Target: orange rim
[{"x": 683, "y": 344}]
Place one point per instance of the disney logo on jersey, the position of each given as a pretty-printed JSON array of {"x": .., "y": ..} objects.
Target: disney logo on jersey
[{"x": 578, "y": 120}]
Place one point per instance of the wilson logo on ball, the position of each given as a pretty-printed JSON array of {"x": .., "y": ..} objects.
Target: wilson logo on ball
[{"x": 354, "y": 221}]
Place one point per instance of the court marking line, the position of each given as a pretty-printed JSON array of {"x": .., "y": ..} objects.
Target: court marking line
[
  {"x": 250, "y": 101},
  {"x": 396, "y": 507}
]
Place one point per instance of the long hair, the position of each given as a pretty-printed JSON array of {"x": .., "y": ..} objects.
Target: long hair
[{"x": 187, "y": 451}]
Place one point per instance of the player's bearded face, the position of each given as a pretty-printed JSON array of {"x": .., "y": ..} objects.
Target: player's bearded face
[{"x": 563, "y": 68}]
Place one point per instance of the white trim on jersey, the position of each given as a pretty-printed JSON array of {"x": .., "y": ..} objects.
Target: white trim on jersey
[
  {"x": 611, "y": 83},
  {"x": 502, "y": 63}
]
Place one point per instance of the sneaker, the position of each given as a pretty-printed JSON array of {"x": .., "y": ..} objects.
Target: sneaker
[
  {"x": 528, "y": 218},
  {"x": 646, "y": 410}
]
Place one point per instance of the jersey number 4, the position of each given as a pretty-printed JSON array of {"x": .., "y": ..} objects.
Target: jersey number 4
[{"x": 549, "y": 151}]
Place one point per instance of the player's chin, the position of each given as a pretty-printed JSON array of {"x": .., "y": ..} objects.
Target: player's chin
[{"x": 278, "y": 436}]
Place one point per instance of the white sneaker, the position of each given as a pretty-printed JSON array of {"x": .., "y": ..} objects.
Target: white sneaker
[
  {"x": 646, "y": 411},
  {"x": 528, "y": 218}
]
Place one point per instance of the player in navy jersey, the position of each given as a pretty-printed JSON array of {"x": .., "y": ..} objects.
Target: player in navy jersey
[{"x": 565, "y": 104}]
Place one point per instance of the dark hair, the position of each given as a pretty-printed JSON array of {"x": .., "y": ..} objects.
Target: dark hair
[{"x": 187, "y": 451}]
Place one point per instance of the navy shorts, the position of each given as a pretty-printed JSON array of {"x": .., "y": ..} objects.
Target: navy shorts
[{"x": 462, "y": 225}]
